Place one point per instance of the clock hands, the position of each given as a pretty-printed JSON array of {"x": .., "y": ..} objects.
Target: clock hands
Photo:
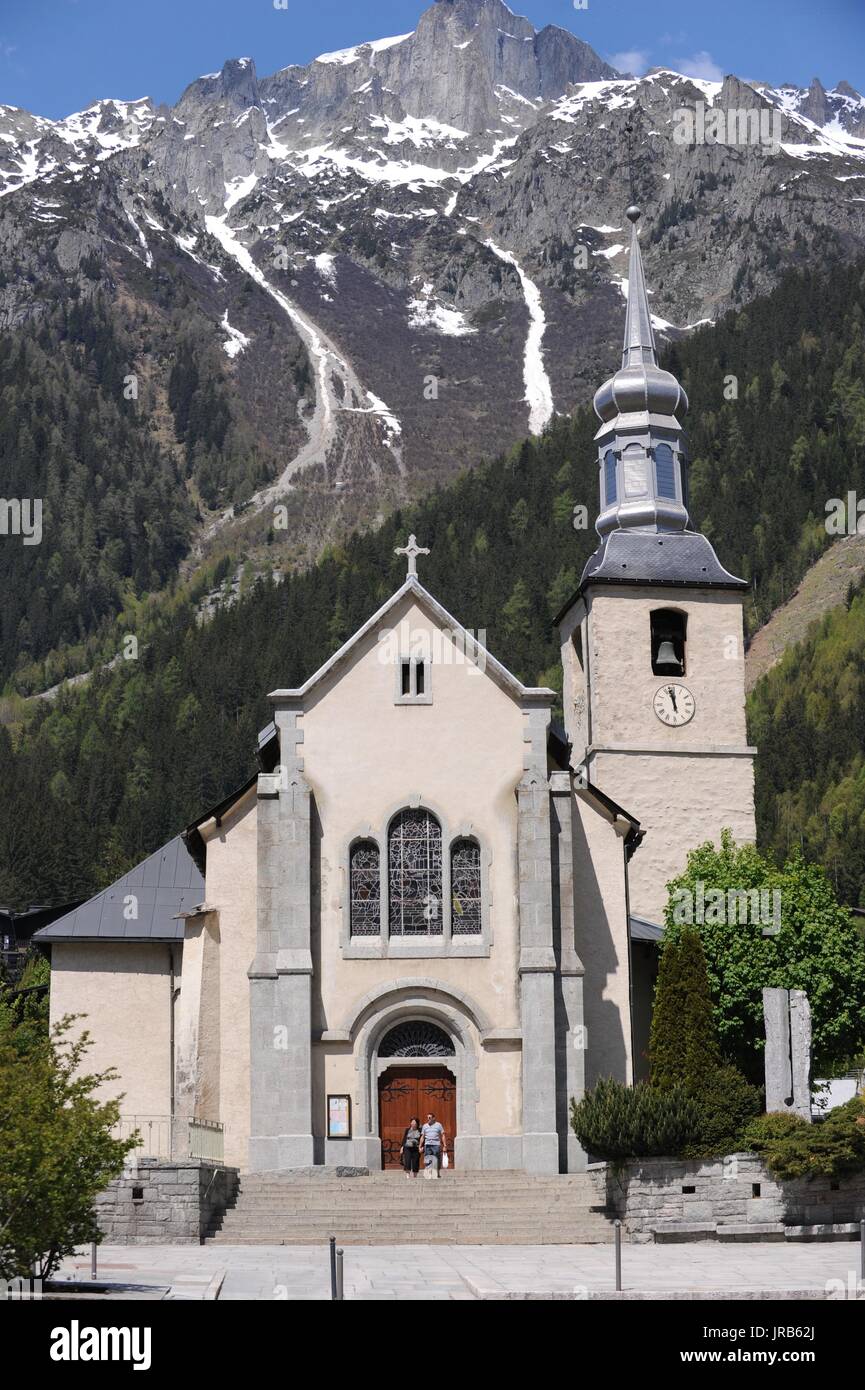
[{"x": 672, "y": 694}]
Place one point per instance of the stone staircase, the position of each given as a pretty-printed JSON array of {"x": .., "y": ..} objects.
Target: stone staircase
[{"x": 461, "y": 1208}]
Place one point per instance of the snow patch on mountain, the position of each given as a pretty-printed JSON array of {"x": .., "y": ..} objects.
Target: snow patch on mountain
[
  {"x": 539, "y": 392},
  {"x": 427, "y": 312},
  {"x": 236, "y": 341}
]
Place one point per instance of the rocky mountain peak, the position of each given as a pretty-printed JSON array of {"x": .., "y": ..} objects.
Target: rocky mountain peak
[{"x": 235, "y": 84}]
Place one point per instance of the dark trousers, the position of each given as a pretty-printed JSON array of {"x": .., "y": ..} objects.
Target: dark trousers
[{"x": 410, "y": 1159}]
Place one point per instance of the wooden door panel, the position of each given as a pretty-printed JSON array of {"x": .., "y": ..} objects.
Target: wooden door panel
[
  {"x": 407, "y": 1091},
  {"x": 437, "y": 1092},
  {"x": 397, "y": 1102}
]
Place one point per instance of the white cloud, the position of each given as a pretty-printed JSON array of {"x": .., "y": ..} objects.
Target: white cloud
[
  {"x": 700, "y": 64},
  {"x": 633, "y": 60}
]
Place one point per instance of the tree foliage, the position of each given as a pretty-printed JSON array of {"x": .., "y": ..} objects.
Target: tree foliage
[
  {"x": 817, "y": 948},
  {"x": 56, "y": 1148},
  {"x": 683, "y": 1044}
]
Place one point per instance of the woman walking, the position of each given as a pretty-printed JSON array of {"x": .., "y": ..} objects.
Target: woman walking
[{"x": 410, "y": 1147}]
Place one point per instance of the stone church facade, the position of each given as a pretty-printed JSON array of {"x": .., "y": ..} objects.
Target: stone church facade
[{"x": 431, "y": 897}]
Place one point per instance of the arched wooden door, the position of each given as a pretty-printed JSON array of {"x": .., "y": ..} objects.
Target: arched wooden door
[{"x": 407, "y": 1091}]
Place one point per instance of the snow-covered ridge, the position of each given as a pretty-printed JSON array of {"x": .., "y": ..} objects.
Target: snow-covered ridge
[{"x": 344, "y": 56}]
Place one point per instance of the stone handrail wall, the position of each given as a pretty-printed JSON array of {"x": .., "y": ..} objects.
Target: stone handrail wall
[
  {"x": 179, "y": 1201},
  {"x": 733, "y": 1197}
]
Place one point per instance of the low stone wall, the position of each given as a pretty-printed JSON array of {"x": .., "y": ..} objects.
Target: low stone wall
[
  {"x": 730, "y": 1198},
  {"x": 163, "y": 1202}
]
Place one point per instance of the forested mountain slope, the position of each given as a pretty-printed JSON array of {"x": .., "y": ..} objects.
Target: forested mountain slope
[
  {"x": 106, "y": 773},
  {"x": 808, "y": 718},
  {"x": 338, "y": 285}
]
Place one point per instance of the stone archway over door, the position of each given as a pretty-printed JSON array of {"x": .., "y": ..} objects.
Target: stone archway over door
[{"x": 406, "y": 1090}]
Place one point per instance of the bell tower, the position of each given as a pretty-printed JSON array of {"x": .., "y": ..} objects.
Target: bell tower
[{"x": 653, "y": 641}]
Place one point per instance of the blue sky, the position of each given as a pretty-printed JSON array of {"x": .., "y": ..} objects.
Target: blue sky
[{"x": 56, "y": 56}]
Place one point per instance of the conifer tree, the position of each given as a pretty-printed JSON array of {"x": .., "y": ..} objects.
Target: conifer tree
[{"x": 683, "y": 1043}]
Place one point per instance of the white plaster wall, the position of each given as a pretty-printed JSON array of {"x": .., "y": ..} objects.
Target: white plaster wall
[
  {"x": 499, "y": 1080},
  {"x": 601, "y": 937},
  {"x": 622, "y": 683},
  {"x": 123, "y": 991},
  {"x": 575, "y": 704},
  {"x": 680, "y": 802},
  {"x": 462, "y": 756},
  {"x": 682, "y": 784},
  {"x": 231, "y": 891}
]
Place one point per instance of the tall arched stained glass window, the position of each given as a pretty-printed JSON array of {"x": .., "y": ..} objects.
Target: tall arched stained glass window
[
  {"x": 365, "y": 890},
  {"x": 665, "y": 471},
  {"x": 609, "y": 478},
  {"x": 465, "y": 888},
  {"x": 415, "y": 874}
]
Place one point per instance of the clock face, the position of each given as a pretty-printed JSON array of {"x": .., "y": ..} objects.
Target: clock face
[{"x": 673, "y": 704}]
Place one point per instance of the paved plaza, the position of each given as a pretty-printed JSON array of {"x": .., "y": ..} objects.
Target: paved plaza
[{"x": 400, "y": 1272}]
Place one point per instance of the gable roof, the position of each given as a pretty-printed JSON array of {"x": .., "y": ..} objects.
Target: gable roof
[
  {"x": 473, "y": 649},
  {"x": 166, "y": 883}
]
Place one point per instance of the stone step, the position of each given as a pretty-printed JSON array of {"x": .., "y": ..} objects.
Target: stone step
[
  {"x": 338, "y": 1221},
  {"x": 462, "y": 1208},
  {"x": 474, "y": 1175},
  {"x": 409, "y": 1236},
  {"x": 352, "y": 1220},
  {"x": 428, "y": 1192},
  {"x": 363, "y": 1190},
  {"x": 342, "y": 1221}
]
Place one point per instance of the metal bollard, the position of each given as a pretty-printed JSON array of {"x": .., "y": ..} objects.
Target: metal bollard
[
  {"x": 93, "y": 1259},
  {"x": 339, "y": 1284},
  {"x": 333, "y": 1292},
  {"x": 618, "y": 1226}
]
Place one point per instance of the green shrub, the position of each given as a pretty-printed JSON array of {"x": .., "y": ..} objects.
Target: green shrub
[
  {"x": 791, "y": 1148},
  {"x": 726, "y": 1102},
  {"x": 615, "y": 1121}
]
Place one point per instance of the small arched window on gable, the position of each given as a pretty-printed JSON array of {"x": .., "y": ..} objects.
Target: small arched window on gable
[
  {"x": 365, "y": 889},
  {"x": 465, "y": 887},
  {"x": 668, "y": 634},
  {"x": 415, "y": 874}
]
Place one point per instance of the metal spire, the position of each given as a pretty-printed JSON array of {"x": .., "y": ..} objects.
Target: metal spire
[{"x": 639, "y": 344}]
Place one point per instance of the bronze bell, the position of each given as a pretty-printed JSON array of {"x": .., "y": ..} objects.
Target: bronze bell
[{"x": 667, "y": 660}]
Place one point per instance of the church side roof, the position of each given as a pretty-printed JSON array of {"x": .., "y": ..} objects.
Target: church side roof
[
  {"x": 644, "y": 930},
  {"x": 165, "y": 884},
  {"x": 500, "y": 674}
]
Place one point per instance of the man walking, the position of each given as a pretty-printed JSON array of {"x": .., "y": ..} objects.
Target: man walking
[{"x": 433, "y": 1142}]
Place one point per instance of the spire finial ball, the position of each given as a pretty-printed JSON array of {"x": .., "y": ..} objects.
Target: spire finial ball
[{"x": 632, "y": 213}]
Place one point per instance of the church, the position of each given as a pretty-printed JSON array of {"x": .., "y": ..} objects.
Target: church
[{"x": 431, "y": 896}]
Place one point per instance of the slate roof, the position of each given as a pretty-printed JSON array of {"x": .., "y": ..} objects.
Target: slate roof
[
  {"x": 165, "y": 884},
  {"x": 644, "y": 930},
  {"x": 649, "y": 557}
]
